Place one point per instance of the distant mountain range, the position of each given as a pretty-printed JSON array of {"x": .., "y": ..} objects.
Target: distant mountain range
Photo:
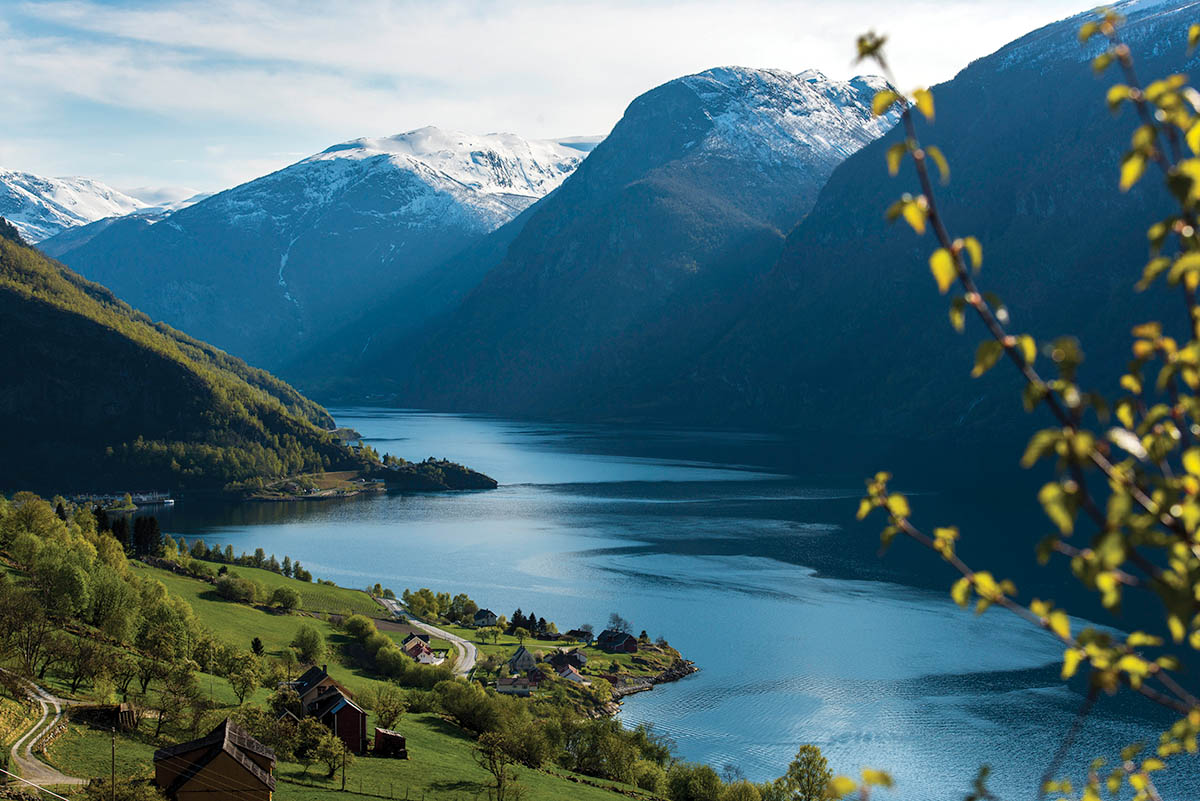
[
  {"x": 720, "y": 258},
  {"x": 265, "y": 268},
  {"x": 41, "y": 207},
  {"x": 637, "y": 263}
]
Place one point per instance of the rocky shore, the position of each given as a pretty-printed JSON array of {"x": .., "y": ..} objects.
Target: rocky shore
[{"x": 681, "y": 668}]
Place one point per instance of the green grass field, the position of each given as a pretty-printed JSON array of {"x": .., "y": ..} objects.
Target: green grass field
[
  {"x": 441, "y": 764},
  {"x": 313, "y": 597}
]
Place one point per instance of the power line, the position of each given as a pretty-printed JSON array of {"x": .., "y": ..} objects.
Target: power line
[{"x": 31, "y": 784}]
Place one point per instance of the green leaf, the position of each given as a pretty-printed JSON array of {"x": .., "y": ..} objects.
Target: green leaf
[
  {"x": 924, "y": 100},
  {"x": 1027, "y": 347},
  {"x": 1040, "y": 444},
  {"x": 895, "y": 155},
  {"x": 914, "y": 215},
  {"x": 939, "y": 159},
  {"x": 1100, "y": 63},
  {"x": 1087, "y": 30},
  {"x": 897, "y": 504},
  {"x": 1055, "y": 503},
  {"x": 1153, "y": 269},
  {"x": 975, "y": 250},
  {"x": 1133, "y": 166},
  {"x": 1193, "y": 37},
  {"x": 1071, "y": 659},
  {"x": 883, "y": 101},
  {"x": 1191, "y": 461},
  {"x": 1187, "y": 263},
  {"x": 1193, "y": 138},
  {"x": 958, "y": 314},
  {"x": 961, "y": 592},
  {"x": 876, "y": 777},
  {"x": 986, "y": 356},
  {"x": 1117, "y": 95},
  {"x": 941, "y": 264},
  {"x": 1060, "y": 624}
]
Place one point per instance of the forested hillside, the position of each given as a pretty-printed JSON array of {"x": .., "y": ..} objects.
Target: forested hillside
[{"x": 97, "y": 396}]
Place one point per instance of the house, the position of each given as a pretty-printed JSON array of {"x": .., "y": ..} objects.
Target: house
[
  {"x": 486, "y": 617},
  {"x": 521, "y": 660},
  {"x": 324, "y": 698},
  {"x": 579, "y": 635},
  {"x": 561, "y": 658},
  {"x": 514, "y": 685},
  {"x": 617, "y": 642},
  {"x": 390, "y": 743},
  {"x": 420, "y": 652},
  {"x": 569, "y": 673},
  {"x": 314, "y": 683},
  {"x": 343, "y": 717},
  {"x": 225, "y": 763},
  {"x": 415, "y": 636}
]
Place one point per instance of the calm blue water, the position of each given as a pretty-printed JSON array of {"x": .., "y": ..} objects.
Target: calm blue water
[{"x": 802, "y": 633}]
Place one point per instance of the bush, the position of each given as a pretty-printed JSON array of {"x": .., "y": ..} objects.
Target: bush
[
  {"x": 285, "y": 598},
  {"x": 358, "y": 626},
  {"x": 309, "y": 644},
  {"x": 375, "y": 642},
  {"x": 234, "y": 588}
]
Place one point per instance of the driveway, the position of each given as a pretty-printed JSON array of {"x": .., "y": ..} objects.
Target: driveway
[{"x": 30, "y": 767}]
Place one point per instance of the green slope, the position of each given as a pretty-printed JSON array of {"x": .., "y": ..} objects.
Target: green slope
[{"x": 97, "y": 396}]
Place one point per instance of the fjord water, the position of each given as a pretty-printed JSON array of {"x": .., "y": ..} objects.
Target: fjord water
[{"x": 802, "y": 633}]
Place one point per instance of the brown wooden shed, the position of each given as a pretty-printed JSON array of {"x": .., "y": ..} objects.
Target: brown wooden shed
[{"x": 227, "y": 763}]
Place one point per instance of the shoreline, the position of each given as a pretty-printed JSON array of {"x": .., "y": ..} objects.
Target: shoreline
[{"x": 678, "y": 671}]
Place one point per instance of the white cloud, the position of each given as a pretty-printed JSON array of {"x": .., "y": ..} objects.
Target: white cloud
[{"x": 306, "y": 72}]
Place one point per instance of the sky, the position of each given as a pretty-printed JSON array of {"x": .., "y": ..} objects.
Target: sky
[{"x": 165, "y": 97}]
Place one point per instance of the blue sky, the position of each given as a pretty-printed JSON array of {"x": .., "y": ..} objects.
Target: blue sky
[{"x": 205, "y": 95}]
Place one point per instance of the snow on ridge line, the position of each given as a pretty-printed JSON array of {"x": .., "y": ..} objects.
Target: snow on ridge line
[
  {"x": 41, "y": 207},
  {"x": 495, "y": 163}
]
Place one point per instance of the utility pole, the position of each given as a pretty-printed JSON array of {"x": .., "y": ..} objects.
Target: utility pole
[
  {"x": 343, "y": 766},
  {"x": 112, "y": 780}
]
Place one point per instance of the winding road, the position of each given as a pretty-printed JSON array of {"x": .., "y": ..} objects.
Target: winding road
[
  {"x": 467, "y": 653},
  {"x": 30, "y": 767}
]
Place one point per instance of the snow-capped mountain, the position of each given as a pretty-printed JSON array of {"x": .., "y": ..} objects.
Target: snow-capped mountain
[
  {"x": 776, "y": 117},
  {"x": 644, "y": 253},
  {"x": 266, "y": 266},
  {"x": 42, "y": 207}
]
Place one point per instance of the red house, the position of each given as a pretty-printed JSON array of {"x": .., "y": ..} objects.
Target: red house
[
  {"x": 344, "y": 718},
  {"x": 323, "y": 698}
]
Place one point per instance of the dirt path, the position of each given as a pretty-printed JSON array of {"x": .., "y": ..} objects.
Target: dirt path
[
  {"x": 467, "y": 653},
  {"x": 29, "y": 766}
]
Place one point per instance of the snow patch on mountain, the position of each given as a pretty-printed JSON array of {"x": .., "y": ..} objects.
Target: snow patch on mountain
[
  {"x": 424, "y": 178},
  {"x": 777, "y": 117},
  {"x": 41, "y": 207}
]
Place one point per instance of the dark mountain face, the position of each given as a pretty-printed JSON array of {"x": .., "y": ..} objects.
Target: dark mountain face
[
  {"x": 96, "y": 397},
  {"x": 849, "y": 335},
  {"x": 269, "y": 267},
  {"x": 641, "y": 259}
]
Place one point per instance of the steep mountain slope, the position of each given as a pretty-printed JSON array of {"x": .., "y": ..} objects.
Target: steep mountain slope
[
  {"x": 268, "y": 266},
  {"x": 97, "y": 397},
  {"x": 642, "y": 257},
  {"x": 42, "y": 207},
  {"x": 842, "y": 336}
]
